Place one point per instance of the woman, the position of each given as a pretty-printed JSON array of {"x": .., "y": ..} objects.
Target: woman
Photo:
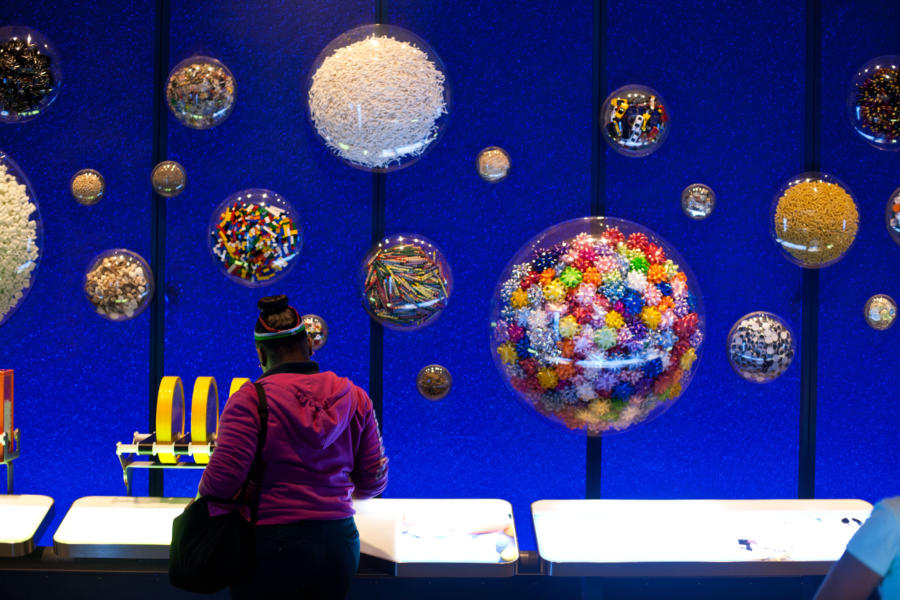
[
  {"x": 872, "y": 559},
  {"x": 322, "y": 448}
]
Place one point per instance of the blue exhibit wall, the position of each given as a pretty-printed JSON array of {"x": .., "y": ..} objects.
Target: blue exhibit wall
[
  {"x": 858, "y": 424},
  {"x": 726, "y": 72},
  {"x": 734, "y": 75}
]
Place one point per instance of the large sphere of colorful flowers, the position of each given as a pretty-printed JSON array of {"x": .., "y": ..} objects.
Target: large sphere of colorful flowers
[{"x": 597, "y": 324}]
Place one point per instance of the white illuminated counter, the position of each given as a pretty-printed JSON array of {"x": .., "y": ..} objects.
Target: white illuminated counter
[
  {"x": 439, "y": 538},
  {"x": 722, "y": 538},
  {"x": 118, "y": 527},
  {"x": 21, "y": 518}
]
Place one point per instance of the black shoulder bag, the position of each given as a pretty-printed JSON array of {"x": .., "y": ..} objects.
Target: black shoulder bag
[{"x": 208, "y": 553}]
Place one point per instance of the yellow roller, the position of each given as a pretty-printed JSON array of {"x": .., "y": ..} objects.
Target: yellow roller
[
  {"x": 204, "y": 414},
  {"x": 236, "y": 384},
  {"x": 169, "y": 415}
]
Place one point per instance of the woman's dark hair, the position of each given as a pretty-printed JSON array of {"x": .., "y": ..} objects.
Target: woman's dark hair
[{"x": 275, "y": 314}]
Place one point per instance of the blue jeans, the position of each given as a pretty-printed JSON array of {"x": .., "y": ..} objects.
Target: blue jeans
[{"x": 308, "y": 559}]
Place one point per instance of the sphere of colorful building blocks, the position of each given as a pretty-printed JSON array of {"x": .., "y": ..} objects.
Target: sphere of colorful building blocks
[
  {"x": 316, "y": 330},
  {"x": 255, "y": 237}
]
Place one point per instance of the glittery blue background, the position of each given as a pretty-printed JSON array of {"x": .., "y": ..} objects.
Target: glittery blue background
[{"x": 733, "y": 75}]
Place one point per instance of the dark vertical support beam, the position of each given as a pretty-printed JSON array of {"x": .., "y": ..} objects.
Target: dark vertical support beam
[
  {"x": 598, "y": 199},
  {"x": 376, "y": 330},
  {"x": 158, "y": 223},
  {"x": 809, "y": 329}
]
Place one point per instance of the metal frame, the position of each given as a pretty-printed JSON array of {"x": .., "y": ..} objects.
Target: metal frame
[
  {"x": 10, "y": 453},
  {"x": 145, "y": 445}
]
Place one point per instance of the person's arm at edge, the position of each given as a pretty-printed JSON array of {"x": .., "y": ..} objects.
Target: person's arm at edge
[
  {"x": 848, "y": 579},
  {"x": 370, "y": 465},
  {"x": 236, "y": 443}
]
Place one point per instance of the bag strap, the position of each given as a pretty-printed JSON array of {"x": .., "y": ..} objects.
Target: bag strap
[{"x": 256, "y": 469}]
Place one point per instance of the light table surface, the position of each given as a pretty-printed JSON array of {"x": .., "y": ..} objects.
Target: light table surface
[{"x": 21, "y": 518}]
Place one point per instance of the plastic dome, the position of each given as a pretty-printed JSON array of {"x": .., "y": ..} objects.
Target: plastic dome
[
  {"x": 434, "y": 382},
  {"x": 21, "y": 237},
  {"x": 698, "y": 201},
  {"x": 168, "y": 179},
  {"x": 880, "y": 312},
  {"x": 87, "y": 187},
  {"x": 597, "y": 324},
  {"x": 201, "y": 92},
  {"x": 119, "y": 284},
  {"x": 760, "y": 347},
  {"x": 30, "y": 74},
  {"x": 378, "y": 97},
  {"x": 635, "y": 120},
  {"x": 405, "y": 282},
  {"x": 255, "y": 237},
  {"x": 873, "y": 103},
  {"x": 316, "y": 330},
  {"x": 814, "y": 220}
]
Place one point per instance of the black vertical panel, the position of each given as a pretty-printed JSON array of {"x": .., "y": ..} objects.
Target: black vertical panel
[
  {"x": 809, "y": 332},
  {"x": 594, "y": 456},
  {"x": 158, "y": 224},
  {"x": 376, "y": 330}
]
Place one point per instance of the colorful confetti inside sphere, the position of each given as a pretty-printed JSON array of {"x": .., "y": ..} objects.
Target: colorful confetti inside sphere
[
  {"x": 880, "y": 311},
  {"x": 316, "y": 330},
  {"x": 814, "y": 220},
  {"x": 874, "y": 102},
  {"x": 168, "y": 179},
  {"x": 597, "y": 324},
  {"x": 698, "y": 201},
  {"x": 255, "y": 237},
  {"x": 200, "y": 92},
  {"x": 434, "y": 382},
  {"x": 635, "y": 120},
  {"x": 405, "y": 282},
  {"x": 493, "y": 164},
  {"x": 88, "y": 187},
  {"x": 892, "y": 216},
  {"x": 30, "y": 74},
  {"x": 21, "y": 237},
  {"x": 378, "y": 97},
  {"x": 118, "y": 283},
  {"x": 760, "y": 347}
]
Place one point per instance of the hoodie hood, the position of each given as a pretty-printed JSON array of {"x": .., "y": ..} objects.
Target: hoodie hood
[{"x": 322, "y": 409}]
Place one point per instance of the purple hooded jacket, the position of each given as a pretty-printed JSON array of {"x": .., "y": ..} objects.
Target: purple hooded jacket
[{"x": 322, "y": 446}]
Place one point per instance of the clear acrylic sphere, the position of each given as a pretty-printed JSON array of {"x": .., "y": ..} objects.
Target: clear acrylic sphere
[
  {"x": 434, "y": 382},
  {"x": 87, "y": 187},
  {"x": 814, "y": 219},
  {"x": 892, "y": 216},
  {"x": 378, "y": 97},
  {"x": 760, "y": 347},
  {"x": 201, "y": 92},
  {"x": 30, "y": 74},
  {"x": 168, "y": 179},
  {"x": 635, "y": 120},
  {"x": 255, "y": 237},
  {"x": 119, "y": 284},
  {"x": 873, "y": 103},
  {"x": 316, "y": 330},
  {"x": 405, "y": 282},
  {"x": 21, "y": 237},
  {"x": 880, "y": 312},
  {"x": 493, "y": 164},
  {"x": 698, "y": 201},
  {"x": 597, "y": 324}
]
